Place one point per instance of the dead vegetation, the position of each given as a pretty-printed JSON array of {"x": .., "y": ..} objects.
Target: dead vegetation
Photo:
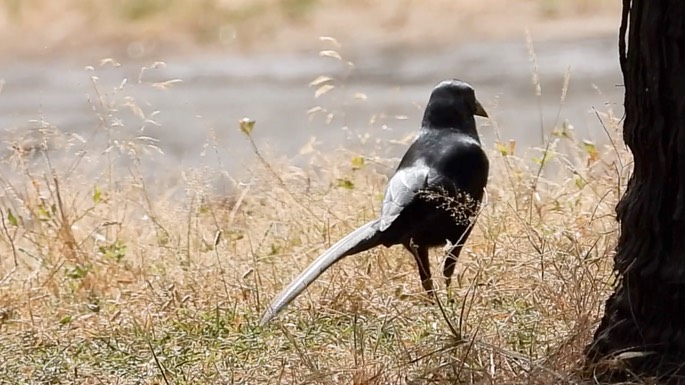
[
  {"x": 113, "y": 273},
  {"x": 140, "y": 28}
]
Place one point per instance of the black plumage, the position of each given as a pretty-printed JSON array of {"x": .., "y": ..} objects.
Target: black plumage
[{"x": 431, "y": 199}]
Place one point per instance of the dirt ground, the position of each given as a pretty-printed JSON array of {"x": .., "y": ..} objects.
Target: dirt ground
[{"x": 141, "y": 27}]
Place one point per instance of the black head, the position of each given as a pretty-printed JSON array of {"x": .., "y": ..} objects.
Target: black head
[{"x": 452, "y": 104}]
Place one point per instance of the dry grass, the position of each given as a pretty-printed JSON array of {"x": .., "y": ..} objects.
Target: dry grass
[
  {"x": 141, "y": 27},
  {"x": 111, "y": 273}
]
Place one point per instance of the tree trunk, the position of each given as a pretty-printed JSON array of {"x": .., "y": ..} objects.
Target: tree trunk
[{"x": 643, "y": 328}]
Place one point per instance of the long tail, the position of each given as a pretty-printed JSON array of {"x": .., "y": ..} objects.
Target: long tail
[{"x": 357, "y": 241}]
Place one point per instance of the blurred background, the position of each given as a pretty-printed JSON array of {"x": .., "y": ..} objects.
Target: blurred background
[{"x": 178, "y": 75}]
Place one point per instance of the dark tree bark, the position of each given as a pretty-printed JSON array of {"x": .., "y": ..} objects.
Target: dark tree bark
[{"x": 644, "y": 320}]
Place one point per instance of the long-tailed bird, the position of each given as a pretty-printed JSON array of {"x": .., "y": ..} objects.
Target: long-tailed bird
[{"x": 431, "y": 199}]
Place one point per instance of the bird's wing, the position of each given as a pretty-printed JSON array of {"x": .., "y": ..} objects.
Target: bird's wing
[{"x": 401, "y": 190}]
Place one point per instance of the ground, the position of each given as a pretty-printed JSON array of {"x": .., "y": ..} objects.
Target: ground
[{"x": 110, "y": 275}]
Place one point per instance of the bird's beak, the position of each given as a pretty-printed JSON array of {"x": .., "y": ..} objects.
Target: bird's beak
[{"x": 480, "y": 111}]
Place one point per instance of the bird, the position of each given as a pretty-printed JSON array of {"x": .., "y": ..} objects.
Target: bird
[{"x": 430, "y": 200}]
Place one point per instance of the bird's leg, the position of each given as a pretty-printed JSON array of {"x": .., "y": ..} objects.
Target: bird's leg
[
  {"x": 453, "y": 255},
  {"x": 450, "y": 264},
  {"x": 421, "y": 257}
]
